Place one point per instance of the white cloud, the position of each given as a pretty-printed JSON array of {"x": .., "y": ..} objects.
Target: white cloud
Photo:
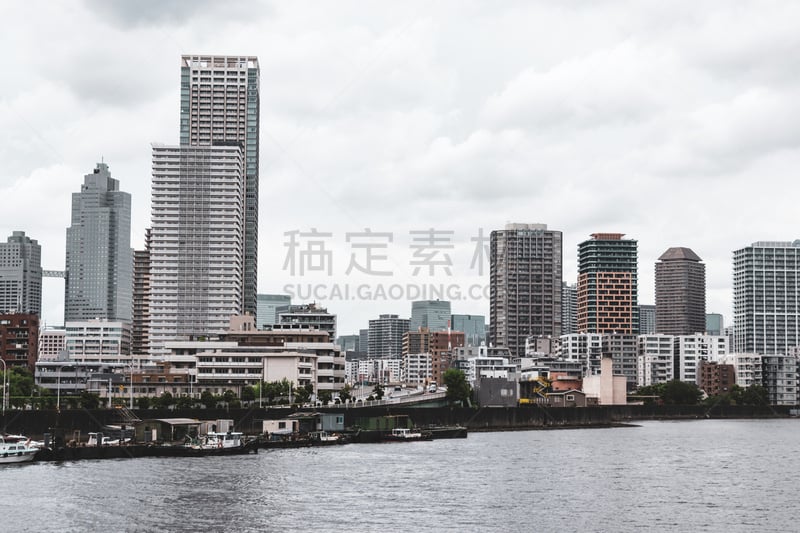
[{"x": 675, "y": 124}]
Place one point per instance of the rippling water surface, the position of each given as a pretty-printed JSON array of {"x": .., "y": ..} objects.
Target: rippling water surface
[{"x": 709, "y": 475}]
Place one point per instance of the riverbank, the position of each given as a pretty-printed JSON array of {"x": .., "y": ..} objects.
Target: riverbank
[{"x": 66, "y": 422}]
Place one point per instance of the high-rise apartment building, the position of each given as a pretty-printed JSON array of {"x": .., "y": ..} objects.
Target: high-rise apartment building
[
  {"x": 99, "y": 267},
  {"x": 197, "y": 241},
  {"x": 220, "y": 106},
  {"x": 569, "y": 308},
  {"x": 680, "y": 293},
  {"x": 647, "y": 319},
  {"x": 386, "y": 336},
  {"x": 431, "y": 314},
  {"x": 525, "y": 285},
  {"x": 607, "y": 285},
  {"x": 20, "y": 275},
  {"x": 766, "y": 298},
  {"x": 140, "y": 332}
]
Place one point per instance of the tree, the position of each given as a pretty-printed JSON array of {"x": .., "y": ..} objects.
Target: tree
[
  {"x": 344, "y": 394},
  {"x": 677, "y": 392},
  {"x": 89, "y": 400},
  {"x": 184, "y": 402},
  {"x": 755, "y": 395},
  {"x": 248, "y": 394},
  {"x": 458, "y": 390},
  {"x": 325, "y": 397},
  {"x": 228, "y": 397},
  {"x": 164, "y": 401},
  {"x": 303, "y": 394},
  {"x": 143, "y": 402},
  {"x": 20, "y": 385},
  {"x": 208, "y": 399},
  {"x": 377, "y": 391}
]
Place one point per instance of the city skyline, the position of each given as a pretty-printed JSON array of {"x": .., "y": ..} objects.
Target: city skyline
[{"x": 699, "y": 112}]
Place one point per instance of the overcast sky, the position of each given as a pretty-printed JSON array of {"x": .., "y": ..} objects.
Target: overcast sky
[{"x": 676, "y": 123}]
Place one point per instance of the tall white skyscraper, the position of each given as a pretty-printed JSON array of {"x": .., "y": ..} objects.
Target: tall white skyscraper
[
  {"x": 99, "y": 268},
  {"x": 220, "y": 105},
  {"x": 196, "y": 241},
  {"x": 20, "y": 275},
  {"x": 766, "y": 298}
]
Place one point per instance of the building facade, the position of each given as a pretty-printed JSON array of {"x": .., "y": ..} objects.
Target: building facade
[
  {"x": 716, "y": 378},
  {"x": 715, "y": 325},
  {"x": 386, "y": 336},
  {"x": 19, "y": 339},
  {"x": 98, "y": 340},
  {"x": 99, "y": 267},
  {"x": 525, "y": 285},
  {"x": 780, "y": 378},
  {"x": 197, "y": 241},
  {"x": 267, "y": 305},
  {"x": 439, "y": 345},
  {"x": 608, "y": 285},
  {"x": 220, "y": 105},
  {"x": 140, "y": 330},
  {"x": 766, "y": 298},
  {"x": 569, "y": 308},
  {"x": 747, "y": 366},
  {"x": 20, "y": 275},
  {"x": 431, "y": 314},
  {"x": 690, "y": 350},
  {"x": 655, "y": 359},
  {"x": 308, "y": 316},
  {"x": 647, "y": 319},
  {"x": 680, "y": 293},
  {"x": 52, "y": 343},
  {"x": 473, "y": 327}
]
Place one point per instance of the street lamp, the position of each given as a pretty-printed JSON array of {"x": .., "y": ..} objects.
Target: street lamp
[
  {"x": 58, "y": 388},
  {"x": 5, "y": 379},
  {"x": 130, "y": 375}
]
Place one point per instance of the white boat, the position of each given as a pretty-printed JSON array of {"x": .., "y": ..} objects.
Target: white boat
[
  {"x": 323, "y": 436},
  {"x": 211, "y": 441},
  {"x": 406, "y": 434},
  {"x": 16, "y": 451}
]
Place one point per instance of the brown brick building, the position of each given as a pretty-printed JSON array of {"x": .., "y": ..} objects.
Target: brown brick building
[
  {"x": 19, "y": 339},
  {"x": 715, "y": 378},
  {"x": 439, "y": 344}
]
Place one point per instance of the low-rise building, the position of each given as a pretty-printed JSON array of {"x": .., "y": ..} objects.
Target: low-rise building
[
  {"x": 98, "y": 340},
  {"x": 747, "y": 368},
  {"x": 655, "y": 360},
  {"x": 606, "y": 387},
  {"x": 780, "y": 378},
  {"x": 52, "y": 342},
  {"x": 416, "y": 368},
  {"x": 716, "y": 378},
  {"x": 689, "y": 350}
]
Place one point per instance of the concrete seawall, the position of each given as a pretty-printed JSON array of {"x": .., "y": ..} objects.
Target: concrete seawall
[{"x": 36, "y": 423}]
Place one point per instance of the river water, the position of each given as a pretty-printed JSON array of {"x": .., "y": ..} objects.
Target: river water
[{"x": 707, "y": 475}]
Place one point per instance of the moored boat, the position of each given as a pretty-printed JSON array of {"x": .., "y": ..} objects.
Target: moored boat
[
  {"x": 15, "y": 450},
  {"x": 406, "y": 435}
]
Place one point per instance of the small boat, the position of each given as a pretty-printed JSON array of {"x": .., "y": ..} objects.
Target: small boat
[
  {"x": 16, "y": 451},
  {"x": 406, "y": 435},
  {"x": 323, "y": 438}
]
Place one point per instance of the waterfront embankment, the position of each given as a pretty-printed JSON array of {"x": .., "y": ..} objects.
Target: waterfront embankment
[{"x": 36, "y": 423}]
